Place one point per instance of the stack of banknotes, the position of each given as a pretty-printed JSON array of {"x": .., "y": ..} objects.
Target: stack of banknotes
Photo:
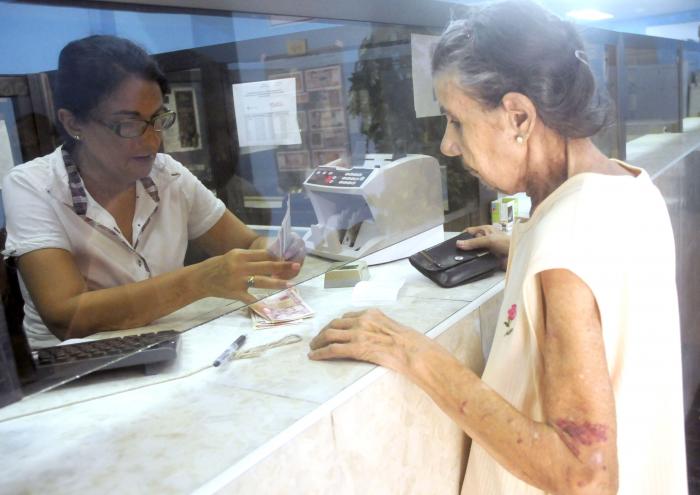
[{"x": 284, "y": 308}]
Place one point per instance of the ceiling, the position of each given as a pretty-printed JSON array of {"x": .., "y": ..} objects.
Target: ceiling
[
  {"x": 406, "y": 11},
  {"x": 625, "y": 9}
]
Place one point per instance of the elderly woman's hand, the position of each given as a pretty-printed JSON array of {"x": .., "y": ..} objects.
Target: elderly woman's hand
[
  {"x": 487, "y": 237},
  {"x": 233, "y": 273},
  {"x": 370, "y": 336}
]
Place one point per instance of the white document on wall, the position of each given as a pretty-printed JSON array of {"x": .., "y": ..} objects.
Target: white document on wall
[
  {"x": 266, "y": 113},
  {"x": 6, "y": 159},
  {"x": 424, "y": 100}
]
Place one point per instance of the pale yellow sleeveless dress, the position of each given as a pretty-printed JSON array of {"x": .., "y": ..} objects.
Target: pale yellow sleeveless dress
[{"x": 615, "y": 234}]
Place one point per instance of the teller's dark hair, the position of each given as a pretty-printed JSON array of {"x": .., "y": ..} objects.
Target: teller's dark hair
[
  {"x": 90, "y": 69},
  {"x": 517, "y": 46}
]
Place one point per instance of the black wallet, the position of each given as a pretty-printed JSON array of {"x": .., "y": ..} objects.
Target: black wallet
[{"x": 448, "y": 266}]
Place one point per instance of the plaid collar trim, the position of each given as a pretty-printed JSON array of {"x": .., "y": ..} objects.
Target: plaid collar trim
[{"x": 77, "y": 188}]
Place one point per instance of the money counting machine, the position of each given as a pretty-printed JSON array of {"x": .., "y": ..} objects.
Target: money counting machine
[{"x": 381, "y": 204}]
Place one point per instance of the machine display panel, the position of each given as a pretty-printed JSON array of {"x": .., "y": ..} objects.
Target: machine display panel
[{"x": 330, "y": 176}]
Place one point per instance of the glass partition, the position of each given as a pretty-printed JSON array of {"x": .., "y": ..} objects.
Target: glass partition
[
  {"x": 690, "y": 82},
  {"x": 604, "y": 57},
  {"x": 311, "y": 117},
  {"x": 332, "y": 121},
  {"x": 652, "y": 85}
]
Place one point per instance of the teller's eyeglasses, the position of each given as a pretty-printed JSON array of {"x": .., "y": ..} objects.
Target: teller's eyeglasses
[{"x": 133, "y": 128}]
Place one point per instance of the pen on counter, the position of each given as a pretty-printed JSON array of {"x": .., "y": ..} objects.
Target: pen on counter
[{"x": 237, "y": 344}]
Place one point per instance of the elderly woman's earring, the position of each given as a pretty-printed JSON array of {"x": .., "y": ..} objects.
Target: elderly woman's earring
[
  {"x": 76, "y": 137},
  {"x": 519, "y": 139}
]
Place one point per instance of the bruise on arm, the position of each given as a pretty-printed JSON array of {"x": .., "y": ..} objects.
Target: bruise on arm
[
  {"x": 572, "y": 449},
  {"x": 578, "y": 395},
  {"x": 574, "y": 434}
]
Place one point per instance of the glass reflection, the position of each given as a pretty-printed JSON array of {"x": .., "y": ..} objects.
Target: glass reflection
[{"x": 347, "y": 110}]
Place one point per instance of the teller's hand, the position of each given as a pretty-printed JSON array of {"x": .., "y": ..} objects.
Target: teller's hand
[{"x": 233, "y": 273}]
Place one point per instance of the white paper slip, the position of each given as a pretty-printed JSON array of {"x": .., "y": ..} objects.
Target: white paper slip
[
  {"x": 286, "y": 230},
  {"x": 371, "y": 291},
  {"x": 283, "y": 240}
]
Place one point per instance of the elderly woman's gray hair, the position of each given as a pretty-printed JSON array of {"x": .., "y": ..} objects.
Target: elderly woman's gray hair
[{"x": 517, "y": 46}]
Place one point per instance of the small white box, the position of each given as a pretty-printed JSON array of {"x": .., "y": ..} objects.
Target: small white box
[{"x": 346, "y": 276}]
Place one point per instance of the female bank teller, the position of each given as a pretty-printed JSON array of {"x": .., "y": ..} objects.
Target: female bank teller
[{"x": 99, "y": 227}]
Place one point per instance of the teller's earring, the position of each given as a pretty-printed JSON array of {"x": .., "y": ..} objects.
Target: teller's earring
[
  {"x": 76, "y": 137},
  {"x": 519, "y": 139}
]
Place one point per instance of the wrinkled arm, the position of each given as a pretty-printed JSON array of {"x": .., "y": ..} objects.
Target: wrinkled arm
[{"x": 573, "y": 451}]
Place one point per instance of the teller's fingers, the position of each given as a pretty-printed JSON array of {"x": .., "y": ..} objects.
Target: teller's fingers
[
  {"x": 274, "y": 250},
  {"x": 264, "y": 282},
  {"x": 295, "y": 252},
  {"x": 253, "y": 255},
  {"x": 330, "y": 336},
  {"x": 299, "y": 256},
  {"x": 271, "y": 267},
  {"x": 291, "y": 271},
  {"x": 245, "y": 297}
]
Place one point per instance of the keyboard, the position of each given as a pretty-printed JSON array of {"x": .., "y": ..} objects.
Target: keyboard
[{"x": 72, "y": 360}]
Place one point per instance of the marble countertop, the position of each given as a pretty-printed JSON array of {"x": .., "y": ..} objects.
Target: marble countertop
[
  {"x": 177, "y": 431},
  {"x": 655, "y": 153}
]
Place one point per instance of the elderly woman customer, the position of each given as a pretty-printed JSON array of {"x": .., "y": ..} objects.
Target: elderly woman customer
[
  {"x": 99, "y": 227},
  {"x": 582, "y": 389}
]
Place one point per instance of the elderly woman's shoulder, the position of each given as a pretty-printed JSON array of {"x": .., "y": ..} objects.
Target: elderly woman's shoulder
[
  {"x": 599, "y": 190},
  {"x": 579, "y": 198},
  {"x": 590, "y": 201}
]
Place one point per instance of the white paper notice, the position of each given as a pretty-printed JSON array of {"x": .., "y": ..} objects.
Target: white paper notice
[
  {"x": 6, "y": 159},
  {"x": 424, "y": 100},
  {"x": 266, "y": 113}
]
